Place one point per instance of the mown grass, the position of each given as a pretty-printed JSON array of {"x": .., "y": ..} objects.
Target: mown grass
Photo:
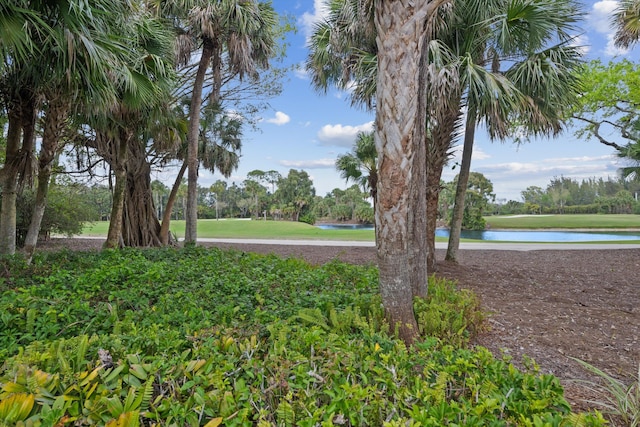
[
  {"x": 204, "y": 337},
  {"x": 564, "y": 222},
  {"x": 248, "y": 229}
]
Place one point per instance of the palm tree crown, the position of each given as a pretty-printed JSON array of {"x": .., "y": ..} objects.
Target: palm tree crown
[
  {"x": 360, "y": 164},
  {"x": 627, "y": 23}
]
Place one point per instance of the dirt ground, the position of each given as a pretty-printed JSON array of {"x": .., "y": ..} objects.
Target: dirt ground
[{"x": 549, "y": 305}]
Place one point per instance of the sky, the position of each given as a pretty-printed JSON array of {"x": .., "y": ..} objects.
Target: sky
[{"x": 306, "y": 130}]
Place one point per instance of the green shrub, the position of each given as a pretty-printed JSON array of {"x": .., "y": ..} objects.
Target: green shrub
[{"x": 452, "y": 315}]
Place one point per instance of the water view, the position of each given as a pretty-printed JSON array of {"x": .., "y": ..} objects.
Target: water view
[{"x": 517, "y": 235}]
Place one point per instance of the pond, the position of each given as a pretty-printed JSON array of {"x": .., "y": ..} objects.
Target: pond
[{"x": 517, "y": 235}]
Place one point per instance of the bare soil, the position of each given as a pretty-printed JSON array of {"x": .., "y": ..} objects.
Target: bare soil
[{"x": 550, "y": 305}]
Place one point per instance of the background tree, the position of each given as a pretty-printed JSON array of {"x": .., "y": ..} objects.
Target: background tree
[
  {"x": 220, "y": 141},
  {"x": 295, "y": 193},
  {"x": 478, "y": 197},
  {"x": 627, "y": 22},
  {"x": 535, "y": 42},
  {"x": 608, "y": 109},
  {"x": 242, "y": 33},
  {"x": 359, "y": 165}
]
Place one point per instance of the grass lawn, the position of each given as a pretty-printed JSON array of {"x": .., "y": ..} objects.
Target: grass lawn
[
  {"x": 250, "y": 229},
  {"x": 563, "y": 221}
]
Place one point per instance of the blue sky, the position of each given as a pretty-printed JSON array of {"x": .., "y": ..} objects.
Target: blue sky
[{"x": 307, "y": 130}]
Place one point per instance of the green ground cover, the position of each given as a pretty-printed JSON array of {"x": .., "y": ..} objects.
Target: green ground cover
[
  {"x": 564, "y": 221},
  {"x": 204, "y": 337}
]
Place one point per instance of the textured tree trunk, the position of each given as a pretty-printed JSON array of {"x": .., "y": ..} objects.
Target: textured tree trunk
[
  {"x": 400, "y": 142},
  {"x": 435, "y": 165},
  {"x": 140, "y": 225},
  {"x": 168, "y": 210},
  {"x": 438, "y": 148},
  {"x": 461, "y": 189},
  {"x": 10, "y": 185},
  {"x": 191, "y": 227},
  {"x": 119, "y": 165},
  {"x": 54, "y": 123}
]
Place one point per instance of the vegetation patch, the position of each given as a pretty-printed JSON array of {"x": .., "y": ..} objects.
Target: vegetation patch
[{"x": 193, "y": 337}]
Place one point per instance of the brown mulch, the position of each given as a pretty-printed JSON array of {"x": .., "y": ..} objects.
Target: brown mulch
[{"x": 550, "y": 305}]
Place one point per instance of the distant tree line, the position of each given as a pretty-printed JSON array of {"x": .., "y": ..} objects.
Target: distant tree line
[{"x": 569, "y": 196}]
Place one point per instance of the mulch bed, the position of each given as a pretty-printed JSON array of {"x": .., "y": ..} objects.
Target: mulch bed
[{"x": 550, "y": 305}]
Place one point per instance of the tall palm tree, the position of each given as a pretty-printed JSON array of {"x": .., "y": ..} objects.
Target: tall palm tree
[
  {"x": 360, "y": 165},
  {"x": 537, "y": 87},
  {"x": 241, "y": 32},
  {"x": 627, "y": 23},
  {"x": 402, "y": 37}
]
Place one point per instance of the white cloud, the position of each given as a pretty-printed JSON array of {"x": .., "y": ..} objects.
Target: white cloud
[
  {"x": 582, "y": 43},
  {"x": 600, "y": 16},
  {"x": 343, "y": 136},
  {"x": 280, "y": 119},
  {"x": 477, "y": 153},
  {"x": 600, "y": 20},
  {"x": 309, "y": 19},
  {"x": 309, "y": 164},
  {"x": 612, "y": 49},
  {"x": 301, "y": 73}
]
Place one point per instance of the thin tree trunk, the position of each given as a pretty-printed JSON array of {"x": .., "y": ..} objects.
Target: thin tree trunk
[
  {"x": 461, "y": 189},
  {"x": 168, "y": 210},
  {"x": 434, "y": 173},
  {"x": 438, "y": 148},
  {"x": 9, "y": 185},
  {"x": 114, "y": 234},
  {"x": 400, "y": 128},
  {"x": 191, "y": 227},
  {"x": 54, "y": 122}
]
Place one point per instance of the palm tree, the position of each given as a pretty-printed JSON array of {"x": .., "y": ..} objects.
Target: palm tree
[
  {"x": 535, "y": 90},
  {"x": 65, "y": 53},
  {"x": 242, "y": 33},
  {"x": 627, "y": 23},
  {"x": 344, "y": 53},
  {"x": 360, "y": 166},
  {"x": 220, "y": 141},
  {"x": 123, "y": 131},
  {"x": 402, "y": 37},
  {"x": 80, "y": 62}
]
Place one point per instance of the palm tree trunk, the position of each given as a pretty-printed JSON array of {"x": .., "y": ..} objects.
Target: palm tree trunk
[
  {"x": 400, "y": 142},
  {"x": 438, "y": 148},
  {"x": 9, "y": 185},
  {"x": 435, "y": 164},
  {"x": 114, "y": 234},
  {"x": 168, "y": 210},
  {"x": 191, "y": 227},
  {"x": 461, "y": 189},
  {"x": 54, "y": 122}
]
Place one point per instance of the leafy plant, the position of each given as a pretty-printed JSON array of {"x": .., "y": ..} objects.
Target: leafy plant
[
  {"x": 452, "y": 315},
  {"x": 619, "y": 399},
  {"x": 204, "y": 337}
]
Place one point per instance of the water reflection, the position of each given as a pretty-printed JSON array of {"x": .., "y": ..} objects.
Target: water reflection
[{"x": 517, "y": 235}]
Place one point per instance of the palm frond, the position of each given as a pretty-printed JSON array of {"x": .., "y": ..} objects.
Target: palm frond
[{"x": 627, "y": 22}]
